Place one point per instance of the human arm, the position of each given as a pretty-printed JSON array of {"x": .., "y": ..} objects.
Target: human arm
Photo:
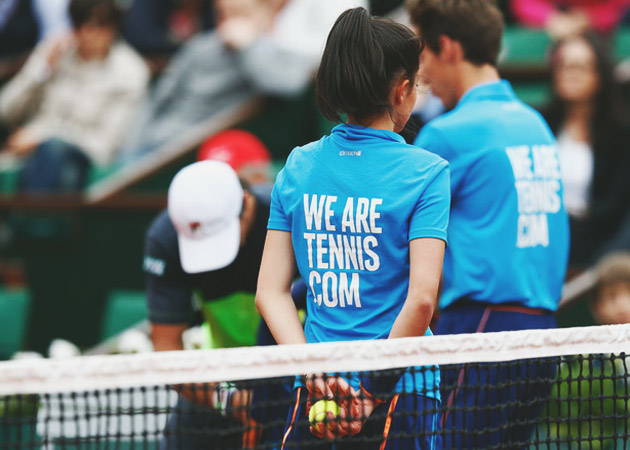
[
  {"x": 21, "y": 95},
  {"x": 273, "y": 294},
  {"x": 425, "y": 261},
  {"x": 168, "y": 289},
  {"x": 274, "y": 301},
  {"x": 283, "y": 61},
  {"x": 21, "y": 142},
  {"x": 167, "y": 337}
]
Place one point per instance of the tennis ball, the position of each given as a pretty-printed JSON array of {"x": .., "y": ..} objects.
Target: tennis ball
[{"x": 318, "y": 411}]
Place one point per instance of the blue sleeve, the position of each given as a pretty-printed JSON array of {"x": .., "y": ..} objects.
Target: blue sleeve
[
  {"x": 431, "y": 213},
  {"x": 432, "y": 139},
  {"x": 168, "y": 292},
  {"x": 278, "y": 219}
]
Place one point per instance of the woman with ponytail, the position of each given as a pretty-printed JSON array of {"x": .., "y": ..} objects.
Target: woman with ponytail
[{"x": 363, "y": 218}]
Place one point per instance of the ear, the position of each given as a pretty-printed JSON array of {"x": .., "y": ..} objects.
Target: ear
[
  {"x": 401, "y": 90},
  {"x": 450, "y": 50}
]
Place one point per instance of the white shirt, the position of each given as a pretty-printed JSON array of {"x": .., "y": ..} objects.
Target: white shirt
[
  {"x": 86, "y": 103},
  {"x": 576, "y": 165}
]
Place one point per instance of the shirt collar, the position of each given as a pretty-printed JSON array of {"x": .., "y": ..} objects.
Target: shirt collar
[
  {"x": 358, "y": 133},
  {"x": 495, "y": 90}
]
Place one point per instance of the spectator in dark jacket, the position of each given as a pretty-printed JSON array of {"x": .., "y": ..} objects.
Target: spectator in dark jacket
[{"x": 588, "y": 120}]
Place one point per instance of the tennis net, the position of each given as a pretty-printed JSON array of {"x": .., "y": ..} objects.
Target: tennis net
[{"x": 535, "y": 389}]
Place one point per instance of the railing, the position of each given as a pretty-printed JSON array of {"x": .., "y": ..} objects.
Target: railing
[{"x": 112, "y": 192}]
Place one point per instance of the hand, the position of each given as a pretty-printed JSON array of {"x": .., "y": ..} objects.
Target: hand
[
  {"x": 56, "y": 48},
  {"x": 563, "y": 24},
  {"x": 242, "y": 22},
  {"x": 239, "y": 32},
  {"x": 20, "y": 143},
  {"x": 355, "y": 408}
]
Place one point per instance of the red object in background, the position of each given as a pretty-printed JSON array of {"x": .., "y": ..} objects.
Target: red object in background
[{"x": 236, "y": 148}]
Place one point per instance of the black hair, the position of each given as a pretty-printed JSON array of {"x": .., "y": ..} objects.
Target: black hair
[
  {"x": 476, "y": 24},
  {"x": 364, "y": 57},
  {"x": 609, "y": 109},
  {"x": 101, "y": 12}
]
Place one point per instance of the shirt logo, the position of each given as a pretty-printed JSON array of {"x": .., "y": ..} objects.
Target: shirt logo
[
  {"x": 154, "y": 266},
  {"x": 350, "y": 153}
]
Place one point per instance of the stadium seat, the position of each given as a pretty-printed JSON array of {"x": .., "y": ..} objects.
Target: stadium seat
[
  {"x": 523, "y": 46},
  {"x": 14, "y": 310},
  {"x": 123, "y": 309},
  {"x": 621, "y": 43},
  {"x": 534, "y": 93}
]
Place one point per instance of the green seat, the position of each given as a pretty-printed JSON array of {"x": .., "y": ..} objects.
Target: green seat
[
  {"x": 621, "y": 43},
  {"x": 98, "y": 173},
  {"x": 123, "y": 310},
  {"x": 533, "y": 93},
  {"x": 523, "y": 46},
  {"x": 14, "y": 310},
  {"x": 9, "y": 179}
]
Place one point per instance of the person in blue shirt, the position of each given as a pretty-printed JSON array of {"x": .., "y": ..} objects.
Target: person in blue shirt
[
  {"x": 505, "y": 264},
  {"x": 363, "y": 216}
]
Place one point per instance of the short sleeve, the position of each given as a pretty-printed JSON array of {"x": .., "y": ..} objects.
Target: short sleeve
[
  {"x": 431, "y": 213},
  {"x": 168, "y": 292},
  {"x": 433, "y": 140},
  {"x": 278, "y": 219}
]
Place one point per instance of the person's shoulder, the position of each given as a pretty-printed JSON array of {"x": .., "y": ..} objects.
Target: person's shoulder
[
  {"x": 200, "y": 42},
  {"x": 421, "y": 156},
  {"x": 128, "y": 63},
  {"x": 303, "y": 154},
  {"x": 446, "y": 123},
  {"x": 162, "y": 228},
  {"x": 441, "y": 130}
]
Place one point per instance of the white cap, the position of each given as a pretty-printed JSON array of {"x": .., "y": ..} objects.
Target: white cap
[{"x": 204, "y": 204}]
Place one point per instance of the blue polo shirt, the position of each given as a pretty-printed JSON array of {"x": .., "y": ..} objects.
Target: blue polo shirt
[
  {"x": 352, "y": 201},
  {"x": 508, "y": 229}
]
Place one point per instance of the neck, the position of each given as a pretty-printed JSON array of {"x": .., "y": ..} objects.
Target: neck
[
  {"x": 579, "y": 111},
  {"x": 86, "y": 55},
  {"x": 577, "y": 121},
  {"x": 383, "y": 122},
  {"x": 471, "y": 76}
]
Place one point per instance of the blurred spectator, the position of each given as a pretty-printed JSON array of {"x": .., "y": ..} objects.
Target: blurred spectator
[
  {"x": 563, "y": 18},
  {"x": 71, "y": 102},
  {"x": 205, "y": 249},
  {"x": 259, "y": 47},
  {"x": 245, "y": 153},
  {"x": 588, "y": 120},
  {"x": 156, "y": 28},
  {"x": 611, "y": 304}
]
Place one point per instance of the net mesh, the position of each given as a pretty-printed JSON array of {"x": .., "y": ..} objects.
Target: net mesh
[{"x": 545, "y": 389}]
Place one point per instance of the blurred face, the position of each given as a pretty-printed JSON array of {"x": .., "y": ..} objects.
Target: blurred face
[
  {"x": 613, "y": 304},
  {"x": 575, "y": 77},
  {"x": 406, "y": 108},
  {"x": 436, "y": 74},
  {"x": 94, "y": 40}
]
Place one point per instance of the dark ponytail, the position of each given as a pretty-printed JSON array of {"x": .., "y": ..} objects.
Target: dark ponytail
[{"x": 363, "y": 59}]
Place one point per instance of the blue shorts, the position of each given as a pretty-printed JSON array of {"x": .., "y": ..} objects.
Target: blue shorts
[
  {"x": 413, "y": 425},
  {"x": 507, "y": 399}
]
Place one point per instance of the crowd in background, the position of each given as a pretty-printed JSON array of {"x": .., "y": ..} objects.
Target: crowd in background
[{"x": 96, "y": 83}]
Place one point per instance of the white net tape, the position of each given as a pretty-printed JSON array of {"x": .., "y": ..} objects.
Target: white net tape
[{"x": 152, "y": 369}]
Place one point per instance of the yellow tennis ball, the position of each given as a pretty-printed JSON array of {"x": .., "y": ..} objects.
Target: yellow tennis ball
[{"x": 318, "y": 411}]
